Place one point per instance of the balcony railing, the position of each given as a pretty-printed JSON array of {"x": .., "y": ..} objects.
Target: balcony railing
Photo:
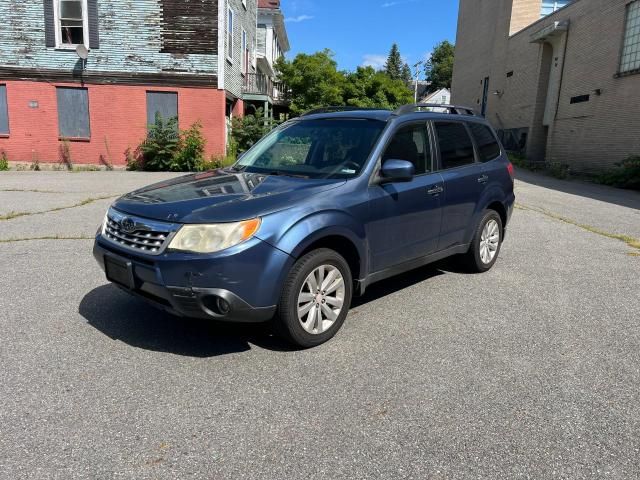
[{"x": 261, "y": 84}]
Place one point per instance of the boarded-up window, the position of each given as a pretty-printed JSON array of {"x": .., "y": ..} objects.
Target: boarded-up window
[
  {"x": 73, "y": 112},
  {"x": 190, "y": 26},
  {"x": 4, "y": 111},
  {"x": 163, "y": 103}
]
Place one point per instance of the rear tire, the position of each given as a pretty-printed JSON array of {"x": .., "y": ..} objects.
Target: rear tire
[
  {"x": 315, "y": 299},
  {"x": 486, "y": 243}
]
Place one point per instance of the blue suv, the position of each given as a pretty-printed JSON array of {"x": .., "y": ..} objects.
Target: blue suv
[{"x": 319, "y": 209}]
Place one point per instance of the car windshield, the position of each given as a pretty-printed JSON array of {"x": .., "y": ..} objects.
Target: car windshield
[{"x": 328, "y": 148}]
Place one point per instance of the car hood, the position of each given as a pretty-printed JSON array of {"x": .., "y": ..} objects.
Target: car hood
[{"x": 220, "y": 196}]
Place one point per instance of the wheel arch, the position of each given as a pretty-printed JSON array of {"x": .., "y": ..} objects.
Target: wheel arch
[{"x": 340, "y": 244}]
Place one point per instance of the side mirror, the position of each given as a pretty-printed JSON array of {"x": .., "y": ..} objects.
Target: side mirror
[{"x": 397, "y": 171}]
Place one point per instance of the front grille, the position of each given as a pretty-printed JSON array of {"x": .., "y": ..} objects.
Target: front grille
[{"x": 141, "y": 235}]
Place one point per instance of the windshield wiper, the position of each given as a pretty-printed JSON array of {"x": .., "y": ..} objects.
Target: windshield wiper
[{"x": 276, "y": 173}]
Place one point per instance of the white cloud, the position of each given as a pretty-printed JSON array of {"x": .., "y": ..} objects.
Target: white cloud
[
  {"x": 373, "y": 60},
  {"x": 396, "y": 2},
  {"x": 299, "y": 18}
]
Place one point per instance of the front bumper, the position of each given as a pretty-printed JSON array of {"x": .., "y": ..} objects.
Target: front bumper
[{"x": 241, "y": 284}]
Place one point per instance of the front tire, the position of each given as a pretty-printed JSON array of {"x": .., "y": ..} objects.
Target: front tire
[
  {"x": 486, "y": 243},
  {"x": 315, "y": 299}
]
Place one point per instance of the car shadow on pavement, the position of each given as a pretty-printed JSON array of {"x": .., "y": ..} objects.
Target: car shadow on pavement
[
  {"x": 394, "y": 284},
  {"x": 130, "y": 320},
  {"x": 603, "y": 193}
]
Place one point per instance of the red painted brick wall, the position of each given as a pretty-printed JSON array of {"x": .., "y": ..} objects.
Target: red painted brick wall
[
  {"x": 118, "y": 116},
  {"x": 238, "y": 109}
]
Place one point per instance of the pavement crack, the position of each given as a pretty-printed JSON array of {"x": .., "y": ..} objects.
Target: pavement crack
[
  {"x": 87, "y": 201},
  {"x": 49, "y": 237},
  {"x": 29, "y": 190},
  {"x": 630, "y": 241}
]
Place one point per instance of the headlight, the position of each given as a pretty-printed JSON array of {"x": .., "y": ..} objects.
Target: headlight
[
  {"x": 103, "y": 225},
  {"x": 213, "y": 238}
]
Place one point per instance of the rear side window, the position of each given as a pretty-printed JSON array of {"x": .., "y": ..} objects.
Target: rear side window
[
  {"x": 456, "y": 148},
  {"x": 411, "y": 143},
  {"x": 488, "y": 146}
]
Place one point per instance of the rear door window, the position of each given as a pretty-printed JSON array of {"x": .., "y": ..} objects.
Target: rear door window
[
  {"x": 456, "y": 148},
  {"x": 411, "y": 143},
  {"x": 488, "y": 146}
]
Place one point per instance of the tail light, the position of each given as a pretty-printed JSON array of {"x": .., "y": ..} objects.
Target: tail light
[{"x": 511, "y": 171}]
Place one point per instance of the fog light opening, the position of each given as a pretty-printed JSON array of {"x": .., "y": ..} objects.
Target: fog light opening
[
  {"x": 217, "y": 305},
  {"x": 223, "y": 306}
]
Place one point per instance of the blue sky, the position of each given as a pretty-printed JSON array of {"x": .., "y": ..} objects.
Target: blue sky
[{"x": 361, "y": 31}]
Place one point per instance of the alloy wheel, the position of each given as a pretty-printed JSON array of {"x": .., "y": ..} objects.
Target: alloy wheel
[
  {"x": 321, "y": 299},
  {"x": 489, "y": 241}
]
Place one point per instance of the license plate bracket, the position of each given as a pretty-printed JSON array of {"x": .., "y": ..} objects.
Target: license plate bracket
[{"x": 119, "y": 271}]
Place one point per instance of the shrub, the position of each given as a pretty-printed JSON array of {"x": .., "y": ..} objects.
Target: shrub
[
  {"x": 518, "y": 160},
  {"x": 4, "y": 161},
  {"x": 35, "y": 161},
  {"x": 246, "y": 131},
  {"x": 133, "y": 160},
  {"x": 558, "y": 170},
  {"x": 625, "y": 175},
  {"x": 161, "y": 145},
  {"x": 65, "y": 155},
  {"x": 190, "y": 152},
  {"x": 212, "y": 163}
]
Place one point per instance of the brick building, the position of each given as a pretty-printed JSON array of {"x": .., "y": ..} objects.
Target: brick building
[
  {"x": 185, "y": 59},
  {"x": 261, "y": 89},
  {"x": 559, "y": 79}
]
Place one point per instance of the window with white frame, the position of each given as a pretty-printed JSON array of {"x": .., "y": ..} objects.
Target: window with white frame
[
  {"x": 245, "y": 53},
  {"x": 630, "y": 59},
  {"x": 230, "y": 25},
  {"x": 550, "y": 6},
  {"x": 71, "y": 23}
]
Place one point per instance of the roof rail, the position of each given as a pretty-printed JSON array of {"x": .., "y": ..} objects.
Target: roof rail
[
  {"x": 415, "y": 107},
  {"x": 338, "y": 109}
]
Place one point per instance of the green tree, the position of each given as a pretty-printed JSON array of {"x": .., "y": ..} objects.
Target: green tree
[
  {"x": 313, "y": 81},
  {"x": 246, "y": 131},
  {"x": 395, "y": 68},
  {"x": 439, "y": 68},
  {"x": 370, "y": 89},
  {"x": 407, "y": 77}
]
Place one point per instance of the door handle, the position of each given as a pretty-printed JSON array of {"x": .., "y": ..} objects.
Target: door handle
[
  {"x": 436, "y": 190},
  {"x": 483, "y": 179}
]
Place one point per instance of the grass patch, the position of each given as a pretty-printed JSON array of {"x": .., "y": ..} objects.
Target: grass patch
[
  {"x": 630, "y": 241},
  {"x": 49, "y": 237},
  {"x": 87, "y": 201}
]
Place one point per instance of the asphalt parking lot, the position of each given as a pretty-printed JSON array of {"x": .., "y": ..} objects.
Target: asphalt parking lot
[{"x": 529, "y": 371}]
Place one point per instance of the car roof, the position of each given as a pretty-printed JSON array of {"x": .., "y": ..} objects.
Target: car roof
[
  {"x": 382, "y": 115},
  {"x": 387, "y": 115}
]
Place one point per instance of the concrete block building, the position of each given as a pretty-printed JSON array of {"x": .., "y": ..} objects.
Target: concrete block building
[
  {"x": 560, "y": 80},
  {"x": 189, "y": 59}
]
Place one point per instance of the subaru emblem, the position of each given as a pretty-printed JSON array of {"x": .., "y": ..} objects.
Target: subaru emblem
[{"x": 127, "y": 225}]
